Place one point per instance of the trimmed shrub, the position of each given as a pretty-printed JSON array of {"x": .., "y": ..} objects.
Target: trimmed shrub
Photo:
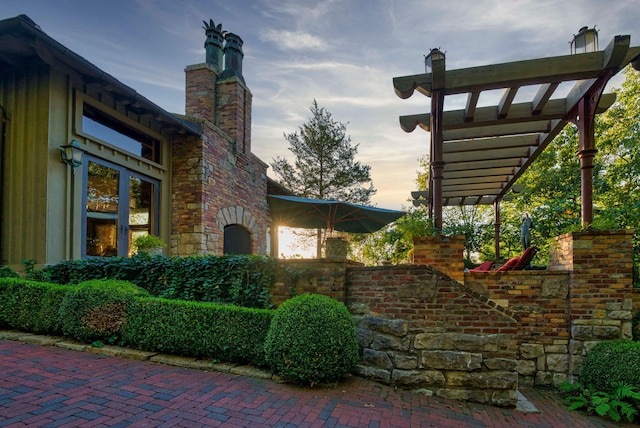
[
  {"x": 204, "y": 330},
  {"x": 312, "y": 340},
  {"x": 611, "y": 362},
  {"x": 31, "y": 306},
  {"x": 96, "y": 310}
]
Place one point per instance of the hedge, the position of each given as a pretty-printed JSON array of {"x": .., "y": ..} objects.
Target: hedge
[
  {"x": 241, "y": 280},
  {"x": 31, "y": 306},
  {"x": 207, "y": 330}
]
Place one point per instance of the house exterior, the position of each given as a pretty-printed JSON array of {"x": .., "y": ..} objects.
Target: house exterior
[{"x": 192, "y": 179}]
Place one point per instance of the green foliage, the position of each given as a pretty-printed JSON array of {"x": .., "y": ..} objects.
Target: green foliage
[
  {"x": 145, "y": 243},
  {"x": 31, "y": 273},
  {"x": 31, "y": 306},
  {"x": 611, "y": 362},
  {"x": 7, "y": 272},
  {"x": 205, "y": 330},
  {"x": 622, "y": 402},
  {"x": 312, "y": 340},
  {"x": 635, "y": 327},
  {"x": 97, "y": 309},
  {"x": 241, "y": 280},
  {"x": 393, "y": 243}
]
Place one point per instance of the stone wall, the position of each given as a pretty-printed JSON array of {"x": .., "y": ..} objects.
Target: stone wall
[
  {"x": 420, "y": 329},
  {"x": 482, "y": 336},
  {"x": 600, "y": 293},
  {"x": 540, "y": 300}
]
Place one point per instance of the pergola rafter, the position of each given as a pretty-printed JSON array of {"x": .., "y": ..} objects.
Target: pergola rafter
[{"x": 478, "y": 153}]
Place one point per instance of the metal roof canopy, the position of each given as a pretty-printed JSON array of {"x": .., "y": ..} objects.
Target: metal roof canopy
[{"x": 478, "y": 153}]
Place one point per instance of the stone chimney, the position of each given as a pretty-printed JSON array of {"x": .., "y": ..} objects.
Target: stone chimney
[{"x": 221, "y": 97}]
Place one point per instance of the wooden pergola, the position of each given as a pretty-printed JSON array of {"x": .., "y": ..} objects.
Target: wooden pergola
[{"x": 478, "y": 153}]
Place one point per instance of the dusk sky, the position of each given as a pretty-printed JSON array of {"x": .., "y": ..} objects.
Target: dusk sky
[{"x": 343, "y": 53}]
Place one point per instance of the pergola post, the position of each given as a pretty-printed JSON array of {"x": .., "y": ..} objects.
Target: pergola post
[
  {"x": 435, "y": 62},
  {"x": 584, "y": 120},
  {"x": 437, "y": 163},
  {"x": 496, "y": 214}
]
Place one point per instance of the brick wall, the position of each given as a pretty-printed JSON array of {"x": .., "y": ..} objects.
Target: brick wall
[
  {"x": 420, "y": 329},
  {"x": 217, "y": 181},
  {"x": 481, "y": 339},
  {"x": 445, "y": 253}
]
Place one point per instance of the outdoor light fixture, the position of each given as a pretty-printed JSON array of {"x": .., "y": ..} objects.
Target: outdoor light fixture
[
  {"x": 585, "y": 41},
  {"x": 435, "y": 55},
  {"x": 72, "y": 154}
]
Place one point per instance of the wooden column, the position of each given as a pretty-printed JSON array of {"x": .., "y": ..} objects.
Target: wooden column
[
  {"x": 437, "y": 162},
  {"x": 584, "y": 120}
]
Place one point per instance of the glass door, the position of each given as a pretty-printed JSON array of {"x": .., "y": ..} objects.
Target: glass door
[{"x": 119, "y": 206}]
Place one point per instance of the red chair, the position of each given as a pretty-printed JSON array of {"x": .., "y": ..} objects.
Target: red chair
[
  {"x": 515, "y": 263},
  {"x": 519, "y": 263},
  {"x": 483, "y": 267}
]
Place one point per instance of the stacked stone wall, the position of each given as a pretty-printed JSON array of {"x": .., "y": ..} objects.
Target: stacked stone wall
[{"x": 421, "y": 330}]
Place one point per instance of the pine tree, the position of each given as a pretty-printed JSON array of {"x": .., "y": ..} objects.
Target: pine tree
[{"x": 324, "y": 165}]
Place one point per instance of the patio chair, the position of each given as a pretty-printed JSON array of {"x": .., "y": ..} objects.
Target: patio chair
[
  {"x": 515, "y": 263},
  {"x": 483, "y": 267}
]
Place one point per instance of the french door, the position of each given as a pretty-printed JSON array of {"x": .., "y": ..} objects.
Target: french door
[{"x": 120, "y": 205}]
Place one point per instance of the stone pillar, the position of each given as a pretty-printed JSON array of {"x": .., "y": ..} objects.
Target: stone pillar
[
  {"x": 445, "y": 253},
  {"x": 600, "y": 287}
]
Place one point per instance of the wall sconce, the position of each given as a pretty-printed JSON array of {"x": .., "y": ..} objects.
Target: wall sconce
[
  {"x": 72, "y": 154},
  {"x": 435, "y": 55},
  {"x": 585, "y": 41}
]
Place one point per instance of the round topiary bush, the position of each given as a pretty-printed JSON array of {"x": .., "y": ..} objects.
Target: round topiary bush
[
  {"x": 610, "y": 362},
  {"x": 312, "y": 339},
  {"x": 96, "y": 310}
]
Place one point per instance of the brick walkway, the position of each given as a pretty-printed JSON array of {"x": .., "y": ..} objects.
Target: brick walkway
[{"x": 50, "y": 386}]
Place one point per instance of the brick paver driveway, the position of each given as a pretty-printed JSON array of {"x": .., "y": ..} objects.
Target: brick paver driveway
[{"x": 49, "y": 386}]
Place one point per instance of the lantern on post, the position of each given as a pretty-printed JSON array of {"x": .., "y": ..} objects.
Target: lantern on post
[
  {"x": 585, "y": 41},
  {"x": 435, "y": 55}
]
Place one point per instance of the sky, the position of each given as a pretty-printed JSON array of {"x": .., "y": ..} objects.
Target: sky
[{"x": 342, "y": 53}]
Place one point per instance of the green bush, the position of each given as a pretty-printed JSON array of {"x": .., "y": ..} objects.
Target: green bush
[
  {"x": 31, "y": 306},
  {"x": 204, "y": 330},
  {"x": 611, "y": 362},
  {"x": 7, "y": 272},
  {"x": 312, "y": 340},
  {"x": 96, "y": 310},
  {"x": 241, "y": 280}
]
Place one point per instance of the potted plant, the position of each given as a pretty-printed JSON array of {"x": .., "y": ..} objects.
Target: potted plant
[{"x": 149, "y": 244}]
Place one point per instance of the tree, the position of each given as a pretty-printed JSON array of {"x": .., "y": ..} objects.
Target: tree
[{"x": 324, "y": 165}]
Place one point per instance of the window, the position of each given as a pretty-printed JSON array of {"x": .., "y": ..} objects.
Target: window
[
  {"x": 120, "y": 205},
  {"x": 99, "y": 124},
  {"x": 237, "y": 240}
]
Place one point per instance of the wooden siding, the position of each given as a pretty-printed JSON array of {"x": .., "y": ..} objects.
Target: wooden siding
[{"x": 25, "y": 97}]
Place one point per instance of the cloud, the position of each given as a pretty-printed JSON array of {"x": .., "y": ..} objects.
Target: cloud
[{"x": 294, "y": 40}]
